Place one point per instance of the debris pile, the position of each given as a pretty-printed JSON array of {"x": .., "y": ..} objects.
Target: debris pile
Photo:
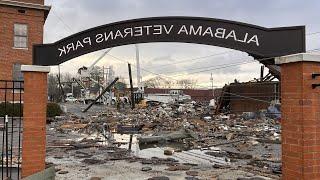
[{"x": 185, "y": 133}]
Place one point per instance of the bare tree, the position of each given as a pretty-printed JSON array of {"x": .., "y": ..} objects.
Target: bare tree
[
  {"x": 187, "y": 83},
  {"x": 53, "y": 89},
  {"x": 158, "y": 82},
  {"x": 96, "y": 72},
  {"x": 66, "y": 77},
  {"x": 168, "y": 84}
]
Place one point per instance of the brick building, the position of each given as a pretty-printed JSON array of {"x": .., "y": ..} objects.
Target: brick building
[{"x": 21, "y": 26}]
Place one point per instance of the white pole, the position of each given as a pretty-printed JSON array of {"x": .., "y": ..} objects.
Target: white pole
[
  {"x": 72, "y": 89},
  {"x": 138, "y": 65},
  {"x": 139, "y": 78},
  {"x": 212, "y": 85}
]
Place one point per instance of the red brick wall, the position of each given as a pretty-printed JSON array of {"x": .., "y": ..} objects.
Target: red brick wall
[
  {"x": 265, "y": 91},
  {"x": 34, "y": 123},
  {"x": 9, "y": 55},
  {"x": 35, "y": 94},
  {"x": 300, "y": 121}
]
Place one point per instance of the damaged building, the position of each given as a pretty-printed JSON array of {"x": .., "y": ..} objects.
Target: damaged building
[{"x": 247, "y": 97}]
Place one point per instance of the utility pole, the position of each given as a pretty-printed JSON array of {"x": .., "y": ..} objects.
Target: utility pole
[
  {"x": 103, "y": 76},
  {"x": 140, "y": 88},
  {"x": 261, "y": 73},
  {"x": 211, "y": 79},
  {"x": 59, "y": 81},
  {"x": 72, "y": 89},
  {"x": 131, "y": 87}
]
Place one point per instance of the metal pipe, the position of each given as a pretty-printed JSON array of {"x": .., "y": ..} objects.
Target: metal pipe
[
  {"x": 19, "y": 131},
  {"x": 13, "y": 105},
  {"x": 2, "y": 151},
  {"x": 6, "y": 126},
  {"x": 7, "y": 156}
]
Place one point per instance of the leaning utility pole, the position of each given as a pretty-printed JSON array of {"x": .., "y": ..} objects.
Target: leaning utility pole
[
  {"x": 132, "y": 100},
  {"x": 102, "y": 93}
]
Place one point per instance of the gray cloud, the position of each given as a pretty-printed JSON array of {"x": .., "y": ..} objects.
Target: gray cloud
[{"x": 78, "y": 15}]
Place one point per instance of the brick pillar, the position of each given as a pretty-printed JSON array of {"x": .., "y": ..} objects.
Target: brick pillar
[
  {"x": 300, "y": 106},
  {"x": 34, "y": 119}
]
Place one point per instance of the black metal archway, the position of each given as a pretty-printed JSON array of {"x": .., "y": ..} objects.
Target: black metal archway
[{"x": 257, "y": 41}]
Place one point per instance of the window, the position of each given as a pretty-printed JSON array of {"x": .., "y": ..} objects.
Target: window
[
  {"x": 16, "y": 73},
  {"x": 20, "y": 36}
]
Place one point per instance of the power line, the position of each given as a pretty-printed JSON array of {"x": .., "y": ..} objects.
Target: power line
[
  {"x": 67, "y": 27},
  {"x": 212, "y": 55},
  {"x": 157, "y": 74},
  {"x": 124, "y": 61},
  {"x": 216, "y": 68},
  {"x": 168, "y": 77},
  {"x": 212, "y": 67},
  {"x": 260, "y": 60},
  {"x": 240, "y": 63},
  {"x": 221, "y": 65},
  {"x": 197, "y": 58},
  {"x": 313, "y": 33},
  {"x": 314, "y": 50},
  {"x": 236, "y": 64}
]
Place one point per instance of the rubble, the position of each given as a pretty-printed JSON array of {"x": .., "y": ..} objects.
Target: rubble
[
  {"x": 63, "y": 172},
  {"x": 190, "y": 134},
  {"x": 192, "y": 173},
  {"x": 95, "y": 178},
  {"x": 159, "y": 178},
  {"x": 146, "y": 168},
  {"x": 178, "y": 168},
  {"x": 165, "y": 137},
  {"x": 168, "y": 152}
]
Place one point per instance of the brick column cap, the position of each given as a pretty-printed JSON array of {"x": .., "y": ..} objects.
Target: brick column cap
[
  {"x": 34, "y": 68},
  {"x": 301, "y": 57}
]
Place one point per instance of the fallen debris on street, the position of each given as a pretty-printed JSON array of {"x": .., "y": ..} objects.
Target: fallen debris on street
[{"x": 170, "y": 140}]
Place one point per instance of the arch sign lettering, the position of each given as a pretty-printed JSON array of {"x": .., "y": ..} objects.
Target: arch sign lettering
[{"x": 258, "y": 42}]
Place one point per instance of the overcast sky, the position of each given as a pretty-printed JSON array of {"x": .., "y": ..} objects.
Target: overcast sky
[{"x": 71, "y": 16}]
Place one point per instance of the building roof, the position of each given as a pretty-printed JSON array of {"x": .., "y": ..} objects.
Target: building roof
[{"x": 20, "y": 4}]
